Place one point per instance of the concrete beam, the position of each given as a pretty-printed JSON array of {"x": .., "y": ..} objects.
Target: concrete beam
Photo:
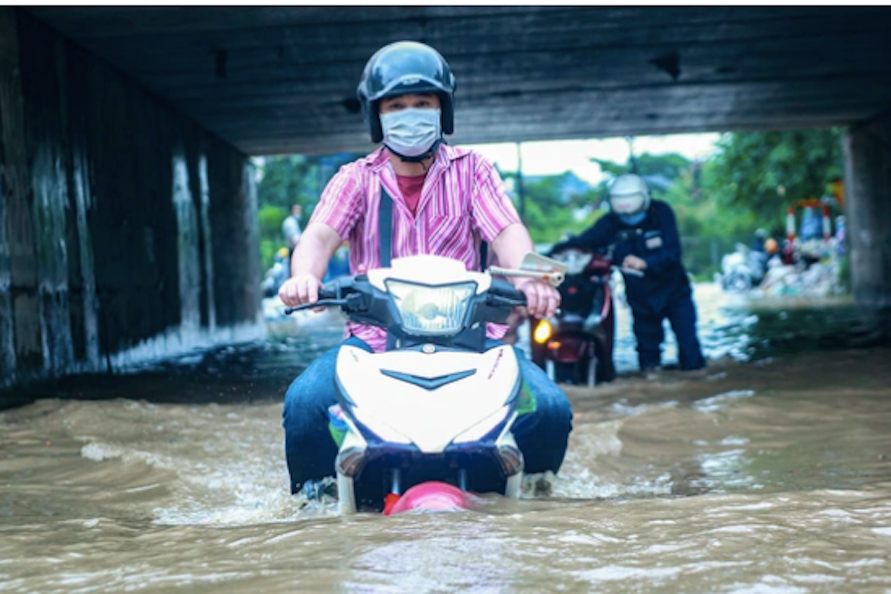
[
  {"x": 867, "y": 148},
  {"x": 254, "y": 75}
]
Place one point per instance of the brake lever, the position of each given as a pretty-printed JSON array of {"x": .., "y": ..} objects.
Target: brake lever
[{"x": 553, "y": 277}]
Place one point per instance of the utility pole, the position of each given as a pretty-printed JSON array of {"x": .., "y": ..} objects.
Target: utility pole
[
  {"x": 632, "y": 161},
  {"x": 521, "y": 197}
]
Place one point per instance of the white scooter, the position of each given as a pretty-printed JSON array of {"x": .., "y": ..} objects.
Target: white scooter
[
  {"x": 742, "y": 269},
  {"x": 437, "y": 405}
]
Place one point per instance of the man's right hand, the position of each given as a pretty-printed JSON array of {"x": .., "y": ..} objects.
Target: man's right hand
[{"x": 300, "y": 289}]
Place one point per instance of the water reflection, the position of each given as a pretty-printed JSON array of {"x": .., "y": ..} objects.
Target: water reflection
[
  {"x": 749, "y": 327},
  {"x": 731, "y": 327}
]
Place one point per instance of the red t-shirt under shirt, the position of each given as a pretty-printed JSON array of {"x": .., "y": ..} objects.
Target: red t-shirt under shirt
[{"x": 411, "y": 186}]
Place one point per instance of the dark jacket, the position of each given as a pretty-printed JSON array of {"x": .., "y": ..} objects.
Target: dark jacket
[{"x": 656, "y": 240}]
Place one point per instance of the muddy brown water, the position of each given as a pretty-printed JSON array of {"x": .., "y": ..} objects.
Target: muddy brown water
[{"x": 770, "y": 472}]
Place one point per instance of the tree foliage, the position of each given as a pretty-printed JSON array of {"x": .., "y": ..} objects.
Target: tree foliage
[
  {"x": 554, "y": 205},
  {"x": 707, "y": 229},
  {"x": 768, "y": 171},
  {"x": 748, "y": 183},
  {"x": 660, "y": 171},
  {"x": 285, "y": 181}
]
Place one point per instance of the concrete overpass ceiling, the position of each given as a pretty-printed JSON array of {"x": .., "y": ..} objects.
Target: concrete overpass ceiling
[{"x": 282, "y": 79}]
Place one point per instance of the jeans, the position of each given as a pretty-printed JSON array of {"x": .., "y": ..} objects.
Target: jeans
[{"x": 542, "y": 435}]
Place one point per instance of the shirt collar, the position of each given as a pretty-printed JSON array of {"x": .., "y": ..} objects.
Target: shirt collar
[{"x": 445, "y": 154}]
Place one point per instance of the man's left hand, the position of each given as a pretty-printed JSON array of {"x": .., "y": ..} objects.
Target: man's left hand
[
  {"x": 541, "y": 298},
  {"x": 634, "y": 263}
]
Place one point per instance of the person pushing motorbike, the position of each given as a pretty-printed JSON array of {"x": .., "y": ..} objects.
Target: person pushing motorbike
[
  {"x": 426, "y": 197},
  {"x": 645, "y": 238}
]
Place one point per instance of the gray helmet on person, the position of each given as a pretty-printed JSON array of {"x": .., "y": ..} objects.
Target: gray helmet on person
[
  {"x": 629, "y": 195},
  {"x": 400, "y": 68}
]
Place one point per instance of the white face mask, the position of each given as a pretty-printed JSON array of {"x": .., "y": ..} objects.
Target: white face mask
[{"x": 412, "y": 131}]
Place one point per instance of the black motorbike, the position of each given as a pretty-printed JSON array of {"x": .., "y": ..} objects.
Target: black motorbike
[{"x": 576, "y": 345}]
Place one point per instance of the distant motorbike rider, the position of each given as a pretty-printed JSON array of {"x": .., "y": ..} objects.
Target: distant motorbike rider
[
  {"x": 291, "y": 227},
  {"x": 277, "y": 274},
  {"x": 443, "y": 200},
  {"x": 758, "y": 242},
  {"x": 645, "y": 237}
]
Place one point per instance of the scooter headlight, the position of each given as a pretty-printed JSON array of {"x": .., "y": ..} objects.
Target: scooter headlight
[{"x": 431, "y": 310}]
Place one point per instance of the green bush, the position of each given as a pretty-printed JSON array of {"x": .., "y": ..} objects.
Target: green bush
[{"x": 271, "y": 239}]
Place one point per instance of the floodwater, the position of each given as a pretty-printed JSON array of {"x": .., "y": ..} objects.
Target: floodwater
[{"x": 768, "y": 473}]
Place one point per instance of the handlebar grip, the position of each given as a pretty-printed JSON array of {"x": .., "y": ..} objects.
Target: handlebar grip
[
  {"x": 502, "y": 288},
  {"x": 503, "y": 294}
]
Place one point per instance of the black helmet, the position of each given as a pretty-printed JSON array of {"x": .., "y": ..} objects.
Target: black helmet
[{"x": 405, "y": 67}]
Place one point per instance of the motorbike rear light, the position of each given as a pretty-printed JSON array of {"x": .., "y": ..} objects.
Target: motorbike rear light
[
  {"x": 351, "y": 461},
  {"x": 511, "y": 459},
  {"x": 568, "y": 351}
]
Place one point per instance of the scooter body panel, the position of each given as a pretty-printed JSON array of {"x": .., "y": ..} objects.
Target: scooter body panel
[{"x": 428, "y": 399}]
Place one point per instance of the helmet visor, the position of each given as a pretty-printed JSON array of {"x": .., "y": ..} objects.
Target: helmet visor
[{"x": 627, "y": 204}]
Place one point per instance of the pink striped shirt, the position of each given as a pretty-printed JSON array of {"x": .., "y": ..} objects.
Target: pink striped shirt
[{"x": 463, "y": 199}]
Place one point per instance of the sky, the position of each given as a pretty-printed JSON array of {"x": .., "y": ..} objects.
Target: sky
[{"x": 553, "y": 157}]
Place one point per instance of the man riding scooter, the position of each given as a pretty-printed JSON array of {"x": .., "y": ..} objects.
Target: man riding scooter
[
  {"x": 431, "y": 198},
  {"x": 646, "y": 239}
]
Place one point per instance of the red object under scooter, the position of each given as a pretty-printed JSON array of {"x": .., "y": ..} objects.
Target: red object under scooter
[{"x": 432, "y": 496}]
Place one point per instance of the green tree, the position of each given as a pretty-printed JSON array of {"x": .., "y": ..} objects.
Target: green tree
[
  {"x": 287, "y": 180},
  {"x": 748, "y": 183},
  {"x": 552, "y": 210},
  {"x": 284, "y": 181},
  {"x": 769, "y": 171},
  {"x": 708, "y": 227},
  {"x": 660, "y": 171}
]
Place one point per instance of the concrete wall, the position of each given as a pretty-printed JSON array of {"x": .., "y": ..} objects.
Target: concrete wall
[
  {"x": 126, "y": 231},
  {"x": 867, "y": 148}
]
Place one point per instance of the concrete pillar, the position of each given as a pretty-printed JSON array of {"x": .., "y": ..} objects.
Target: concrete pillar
[
  {"x": 23, "y": 342},
  {"x": 8, "y": 62},
  {"x": 127, "y": 232},
  {"x": 867, "y": 148}
]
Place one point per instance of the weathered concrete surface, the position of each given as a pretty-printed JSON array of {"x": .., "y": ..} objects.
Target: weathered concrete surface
[
  {"x": 128, "y": 228},
  {"x": 125, "y": 229},
  {"x": 868, "y": 210},
  {"x": 283, "y": 79}
]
